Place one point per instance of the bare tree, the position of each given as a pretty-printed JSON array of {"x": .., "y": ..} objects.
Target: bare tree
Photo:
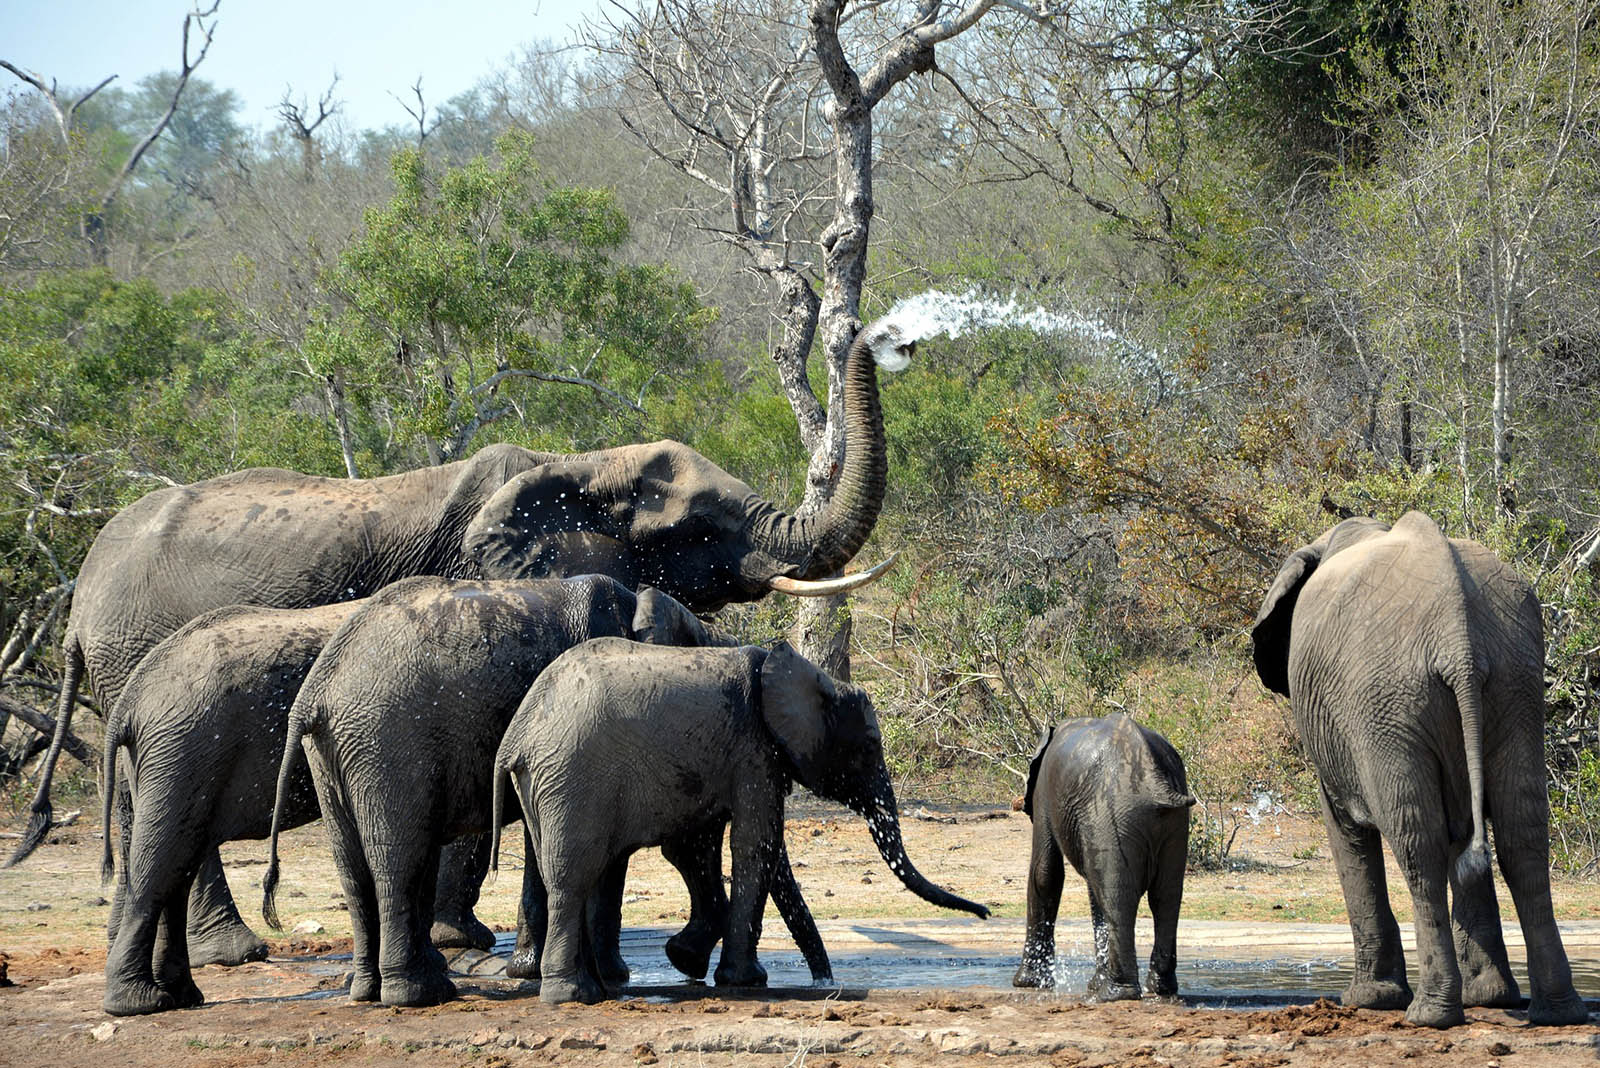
[
  {"x": 296, "y": 118},
  {"x": 419, "y": 114},
  {"x": 94, "y": 221},
  {"x": 770, "y": 106}
]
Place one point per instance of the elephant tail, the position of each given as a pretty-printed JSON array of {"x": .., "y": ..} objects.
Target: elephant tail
[
  {"x": 505, "y": 771},
  {"x": 41, "y": 813},
  {"x": 301, "y": 723},
  {"x": 116, "y": 737},
  {"x": 1474, "y": 860}
]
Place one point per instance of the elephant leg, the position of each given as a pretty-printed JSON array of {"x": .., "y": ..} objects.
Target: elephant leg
[
  {"x": 360, "y": 897},
  {"x": 565, "y": 971},
  {"x": 532, "y": 916},
  {"x": 1116, "y": 976},
  {"x": 217, "y": 933},
  {"x": 1486, "y": 977},
  {"x": 1046, "y": 873},
  {"x": 131, "y": 987},
  {"x": 408, "y": 971},
  {"x": 462, "y": 869},
  {"x": 1414, "y": 824},
  {"x": 175, "y": 974},
  {"x": 604, "y": 920},
  {"x": 1166, "y": 900},
  {"x": 123, "y": 804},
  {"x": 797, "y": 917},
  {"x": 756, "y": 831},
  {"x": 698, "y": 858},
  {"x": 1380, "y": 965},
  {"x": 1521, "y": 812}
]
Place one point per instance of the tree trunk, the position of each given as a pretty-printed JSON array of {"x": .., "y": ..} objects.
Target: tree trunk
[
  {"x": 822, "y": 625},
  {"x": 341, "y": 423}
]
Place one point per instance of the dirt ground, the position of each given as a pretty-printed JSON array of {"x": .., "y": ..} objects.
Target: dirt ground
[{"x": 289, "y": 1009}]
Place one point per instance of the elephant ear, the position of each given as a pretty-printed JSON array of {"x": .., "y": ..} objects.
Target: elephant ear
[
  {"x": 1270, "y": 634},
  {"x": 550, "y": 520},
  {"x": 661, "y": 620},
  {"x": 1033, "y": 768},
  {"x": 797, "y": 703}
]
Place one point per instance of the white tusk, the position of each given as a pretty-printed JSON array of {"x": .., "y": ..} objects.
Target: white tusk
[{"x": 827, "y": 587}]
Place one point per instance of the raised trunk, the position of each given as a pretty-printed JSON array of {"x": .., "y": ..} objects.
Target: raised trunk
[
  {"x": 819, "y": 544},
  {"x": 877, "y": 807}
]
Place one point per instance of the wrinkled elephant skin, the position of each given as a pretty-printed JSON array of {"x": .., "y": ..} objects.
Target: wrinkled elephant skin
[
  {"x": 636, "y": 745},
  {"x": 1414, "y": 664},
  {"x": 1111, "y": 798}
]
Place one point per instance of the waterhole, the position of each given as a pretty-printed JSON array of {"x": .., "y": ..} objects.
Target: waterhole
[{"x": 1263, "y": 965}]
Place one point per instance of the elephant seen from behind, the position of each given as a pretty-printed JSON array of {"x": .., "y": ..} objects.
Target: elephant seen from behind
[
  {"x": 618, "y": 746},
  {"x": 1111, "y": 797},
  {"x": 1414, "y": 664},
  {"x": 202, "y": 721}
]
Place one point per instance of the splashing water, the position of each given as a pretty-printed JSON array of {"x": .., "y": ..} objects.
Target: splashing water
[{"x": 934, "y": 312}]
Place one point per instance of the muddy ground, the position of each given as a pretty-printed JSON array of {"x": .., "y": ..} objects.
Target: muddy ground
[{"x": 289, "y": 1009}]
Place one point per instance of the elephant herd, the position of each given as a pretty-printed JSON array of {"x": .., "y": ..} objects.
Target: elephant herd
[{"x": 422, "y": 658}]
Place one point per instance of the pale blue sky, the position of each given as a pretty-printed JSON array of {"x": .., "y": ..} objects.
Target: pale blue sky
[{"x": 378, "y": 48}]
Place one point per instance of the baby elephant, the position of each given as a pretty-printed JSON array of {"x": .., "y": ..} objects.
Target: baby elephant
[
  {"x": 1112, "y": 797},
  {"x": 619, "y": 746}
]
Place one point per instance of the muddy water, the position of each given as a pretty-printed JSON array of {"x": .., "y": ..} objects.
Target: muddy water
[{"x": 1246, "y": 964}]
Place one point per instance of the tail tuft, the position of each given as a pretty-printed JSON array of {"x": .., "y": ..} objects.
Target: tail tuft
[
  {"x": 269, "y": 896},
  {"x": 38, "y": 826},
  {"x": 1473, "y": 863}
]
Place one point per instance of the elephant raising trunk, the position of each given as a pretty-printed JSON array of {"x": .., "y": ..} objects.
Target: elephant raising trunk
[
  {"x": 822, "y": 543},
  {"x": 662, "y": 515}
]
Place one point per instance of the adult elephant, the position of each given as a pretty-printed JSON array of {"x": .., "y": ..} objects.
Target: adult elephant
[
  {"x": 657, "y": 513},
  {"x": 1415, "y": 666}
]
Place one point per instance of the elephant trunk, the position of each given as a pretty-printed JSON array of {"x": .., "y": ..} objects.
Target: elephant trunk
[
  {"x": 818, "y": 545},
  {"x": 877, "y": 806}
]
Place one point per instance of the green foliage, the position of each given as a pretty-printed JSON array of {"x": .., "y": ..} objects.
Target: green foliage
[
  {"x": 1288, "y": 95},
  {"x": 108, "y": 388},
  {"x": 496, "y": 295}
]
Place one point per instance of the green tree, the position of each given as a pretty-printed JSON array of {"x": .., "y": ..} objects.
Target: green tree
[{"x": 484, "y": 294}]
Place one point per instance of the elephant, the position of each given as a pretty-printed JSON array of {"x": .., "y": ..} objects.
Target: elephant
[
  {"x": 657, "y": 513},
  {"x": 619, "y": 745},
  {"x": 1112, "y": 798},
  {"x": 202, "y": 719},
  {"x": 1414, "y": 664},
  {"x": 399, "y": 715}
]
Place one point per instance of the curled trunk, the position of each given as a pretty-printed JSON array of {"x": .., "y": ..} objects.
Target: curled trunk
[{"x": 819, "y": 545}]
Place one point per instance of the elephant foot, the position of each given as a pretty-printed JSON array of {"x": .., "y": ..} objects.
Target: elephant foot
[
  {"x": 1491, "y": 989},
  {"x": 136, "y": 998},
  {"x": 1376, "y": 994},
  {"x": 364, "y": 986},
  {"x": 523, "y": 964},
  {"x": 1163, "y": 984},
  {"x": 1105, "y": 988},
  {"x": 1429, "y": 1011},
  {"x": 1035, "y": 973},
  {"x": 229, "y": 945},
  {"x": 691, "y": 956},
  {"x": 461, "y": 932},
  {"x": 562, "y": 991},
  {"x": 749, "y": 974},
  {"x": 184, "y": 993},
  {"x": 1563, "y": 1011},
  {"x": 413, "y": 991}
]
